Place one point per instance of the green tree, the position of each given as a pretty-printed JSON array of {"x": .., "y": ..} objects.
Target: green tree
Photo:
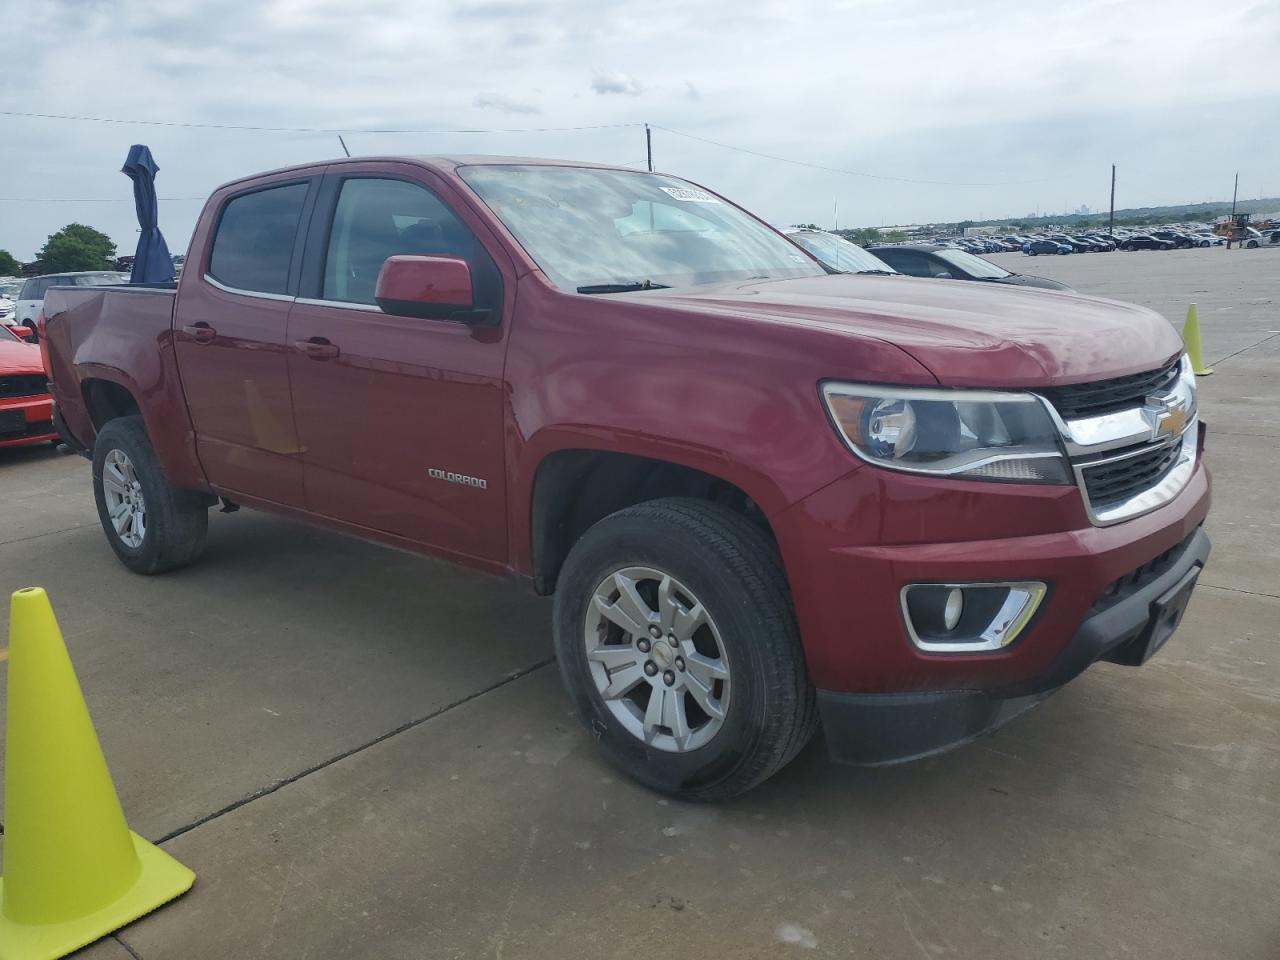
[
  {"x": 9, "y": 266},
  {"x": 76, "y": 247}
]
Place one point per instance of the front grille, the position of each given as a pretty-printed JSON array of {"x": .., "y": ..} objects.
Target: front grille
[
  {"x": 1119, "y": 480},
  {"x": 32, "y": 428},
  {"x": 1135, "y": 580},
  {"x": 23, "y": 385},
  {"x": 1108, "y": 396}
]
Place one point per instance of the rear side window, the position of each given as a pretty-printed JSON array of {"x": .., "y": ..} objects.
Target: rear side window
[
  {"x": 253, "y": 246},
  {"x": 33, "y": 290}
]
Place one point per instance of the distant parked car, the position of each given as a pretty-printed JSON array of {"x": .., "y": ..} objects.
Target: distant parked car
[
  {"x": 33, "y": 291},
  {"x": 1033, "y": 248},
  {"x": 836, "y": 253},
  {"x": 1208, "y": 240},
  {"x": 1179, "y": 240},
  {"x": 1077, "y": 246},
  {"x": 26, "y": 408},
  {"x": 927, "y": 260},
  {"x": 1144, "y": 241},
  {"x": 1252, "y": 239}
]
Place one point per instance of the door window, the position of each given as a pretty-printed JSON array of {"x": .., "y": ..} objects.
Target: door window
[
  {"x": 376, "y": 219},
  {"x": 912, "y": 264},
  {"x": 253, "y": 247}
]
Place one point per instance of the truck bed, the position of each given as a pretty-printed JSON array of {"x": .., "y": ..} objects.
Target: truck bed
[{"x": 108, "y": 347}]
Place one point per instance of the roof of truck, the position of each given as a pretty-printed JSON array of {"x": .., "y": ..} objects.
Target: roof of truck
[{"x": 445, "y": 163}]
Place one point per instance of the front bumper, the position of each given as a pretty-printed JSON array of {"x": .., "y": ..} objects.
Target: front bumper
[
  {"x": 882, "y": 728},
  {"x": 852, "y": 546},
  {"x": 37, "y": 421}
]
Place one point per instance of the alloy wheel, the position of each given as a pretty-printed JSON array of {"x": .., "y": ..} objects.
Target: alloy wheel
[
  {"x": 657, "y": 659},
  {"x": 122, "y": 492}
]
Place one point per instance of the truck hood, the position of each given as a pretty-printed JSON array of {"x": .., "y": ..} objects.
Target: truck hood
[
  {"x": 18, "y": 357},
  {"x": 965, "y": 334}
]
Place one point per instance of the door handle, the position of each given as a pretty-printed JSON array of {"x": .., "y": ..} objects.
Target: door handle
[
  {"x": 200, "y": 332},
  {"x": 317, "y": 348}
]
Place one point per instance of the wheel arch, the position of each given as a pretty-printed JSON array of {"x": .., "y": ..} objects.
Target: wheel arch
[
  {"x": 108, "y": 393},
  {"x": 574, "y": 487}
]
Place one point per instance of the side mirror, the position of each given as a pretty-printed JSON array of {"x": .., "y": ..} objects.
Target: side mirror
[{"x": 434, "y": 288}]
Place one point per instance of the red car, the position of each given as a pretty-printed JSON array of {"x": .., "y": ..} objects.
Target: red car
[
  {"x": 761, "y": 494},
  {"x": 26, "y": 408}
]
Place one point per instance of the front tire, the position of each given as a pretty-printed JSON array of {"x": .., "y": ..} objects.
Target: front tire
[
  {"x": 678, "y": 645},
  {"x": 151, "y": 526}
]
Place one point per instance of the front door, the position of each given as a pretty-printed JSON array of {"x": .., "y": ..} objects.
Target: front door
[
  {"x": 230, "y": 341},
  {"x": 399, "y": 419}
]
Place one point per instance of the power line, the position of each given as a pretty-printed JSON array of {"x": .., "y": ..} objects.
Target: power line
[
  {"x": 95, "y": 199},
  {"x": 853, "y": 173},
  {"x": 328, "y": 130}
]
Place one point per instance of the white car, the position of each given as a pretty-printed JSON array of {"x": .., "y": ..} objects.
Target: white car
[
  {"x": 1252, "y": 239},
  {"x": 1208, "y": 240},
  {"x": 32, "y": 295}
]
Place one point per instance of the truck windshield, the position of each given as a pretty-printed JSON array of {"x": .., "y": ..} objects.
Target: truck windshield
[
  {"x": 839, "y": 254},
  {"x": 608, "y": 229}
]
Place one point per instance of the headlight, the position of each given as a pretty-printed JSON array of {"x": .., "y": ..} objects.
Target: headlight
[{"x": 972, "y": 434}]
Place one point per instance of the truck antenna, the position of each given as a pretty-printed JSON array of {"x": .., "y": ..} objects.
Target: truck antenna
[{"x": 344, "y": 145}]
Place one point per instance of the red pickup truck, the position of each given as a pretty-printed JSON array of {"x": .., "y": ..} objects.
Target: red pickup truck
[{"x": 763, "y": 495}]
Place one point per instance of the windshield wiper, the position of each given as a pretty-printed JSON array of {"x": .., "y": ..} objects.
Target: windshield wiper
[
  {"x": 883, "y": 273},
  {"x": 622, "y": 287}
]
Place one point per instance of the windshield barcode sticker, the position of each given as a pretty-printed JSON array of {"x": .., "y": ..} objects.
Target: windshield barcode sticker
[{"x": 689, "y": 195}]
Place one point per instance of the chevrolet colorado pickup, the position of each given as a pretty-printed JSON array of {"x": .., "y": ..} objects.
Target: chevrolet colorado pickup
[{"x": 763, "y": 496}]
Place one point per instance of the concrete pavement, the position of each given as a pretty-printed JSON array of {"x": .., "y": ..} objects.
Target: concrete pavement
[{"x": 366, "y": 753}]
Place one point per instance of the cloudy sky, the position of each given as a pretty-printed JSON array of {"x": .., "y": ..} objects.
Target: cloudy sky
[{"x": 1007, "y": 108}]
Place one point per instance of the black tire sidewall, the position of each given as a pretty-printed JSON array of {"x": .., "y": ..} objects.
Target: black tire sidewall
[
  {"x": 634, "y": 542},
  {"x": 126, "y": 434}
]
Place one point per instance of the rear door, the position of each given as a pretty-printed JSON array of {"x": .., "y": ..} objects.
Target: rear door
[
  {"x": 401, "y": 427},
  {"x": 231, "y": 324}
]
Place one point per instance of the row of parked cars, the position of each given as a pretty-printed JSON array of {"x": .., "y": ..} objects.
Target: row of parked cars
[{"x": 1102, "y": 242}]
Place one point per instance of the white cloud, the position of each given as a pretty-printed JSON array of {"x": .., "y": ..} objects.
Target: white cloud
[
  {"x": 496, "y": 101},
  {"x": 606, "y": 83}
]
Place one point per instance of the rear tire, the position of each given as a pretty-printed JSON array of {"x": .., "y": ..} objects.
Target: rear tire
[
  {"x": 156, "y": 527},
  {"x": 683, "y": 555}
]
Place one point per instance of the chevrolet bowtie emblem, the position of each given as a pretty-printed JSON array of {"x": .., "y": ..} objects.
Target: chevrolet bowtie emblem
[{"x": 1168, "y": 417}]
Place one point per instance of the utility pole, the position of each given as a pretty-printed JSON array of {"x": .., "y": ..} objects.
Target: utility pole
[
  {"x": 1234, "y": 191},
  {"x": 648, "y": 146},
  {"x": 1111, "y": 228}
]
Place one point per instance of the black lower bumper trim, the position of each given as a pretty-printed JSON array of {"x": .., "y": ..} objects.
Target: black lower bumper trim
[{"x": 882, "y": 728}]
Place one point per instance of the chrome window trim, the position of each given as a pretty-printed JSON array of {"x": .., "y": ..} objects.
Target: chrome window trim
[
  {"x": 340, "y": 304},
  {"x": 1152, "y": 498},
  {"x": 992, "y": 638},
  {"x": 258, "y": 294}
]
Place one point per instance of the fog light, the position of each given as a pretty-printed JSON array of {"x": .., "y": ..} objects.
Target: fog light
[
  {"x": 955, "y": 606},
  {"x": 969, "y": 617}
]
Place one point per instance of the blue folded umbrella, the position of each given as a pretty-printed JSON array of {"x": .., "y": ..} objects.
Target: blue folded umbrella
[{"x": 151, "y": 261}]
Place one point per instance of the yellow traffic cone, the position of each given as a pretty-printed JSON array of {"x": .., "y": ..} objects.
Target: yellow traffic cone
[
  {"x": 1191, "y": 337},
  {"x": 73, "y": 870}
]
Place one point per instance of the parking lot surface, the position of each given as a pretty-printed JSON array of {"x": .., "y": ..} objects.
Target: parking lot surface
[{"x": 364, "y": 753}]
